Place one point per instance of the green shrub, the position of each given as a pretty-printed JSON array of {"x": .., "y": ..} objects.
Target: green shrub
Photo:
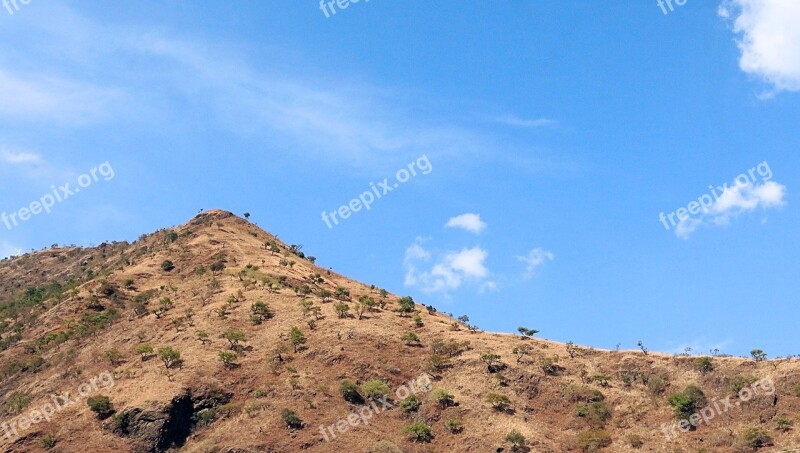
[
  {"x": 291, "y": 419},
  {"x": 593, "y": 439},
  {"x": 704, "y": 364},
  {"x": 499, "y": 402},
  {"x": 227, "y": 358},
  {"x": 169, "y": 356},
  {"x": 741, "y": 382},
  {"x": 583, "y": 394},
  {"x": 596, "y": 414},
  {"x": 657, "y": 385},
  {"x": 48, "y": 441},
  {"x": 687, "y": 402},
  {"x": 410, "y": 404},
  {"x": 204, "y": 417},
  {"x": 17, "y": 402},
  {"x": 375, "y": 389},
  {"x": 516, "y": 439},
  {"x": 419, "y": 431},
  {"x": 101, "y": 405},
  {"x": 122, "y": 422},
  {"x": 454, "y": 425},
  {"x": 755, "y": 438},
  {"x": 383, "y": 446},
  {"x": 443, "y": 398},
  {"x": 349, "y": 391},
  {"x": 167, "y": 266}
]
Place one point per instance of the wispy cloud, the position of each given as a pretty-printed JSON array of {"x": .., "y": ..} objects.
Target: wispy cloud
[
  {"x": 733, "y": 202},
  {"x": 511, "y": 120},
  {"x": 37, "y": 96},
  {"x": 468, "y": 222},
  {"x": 7, "y": 249},
  {"x": 14, "y": 157},
  {"x": 769, "y": 40},
  {"x": 535, "y": 258}
]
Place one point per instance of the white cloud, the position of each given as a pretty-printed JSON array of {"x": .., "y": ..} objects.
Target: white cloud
[
  {"x": 449, "y": 272},
  {"x": 469, "y": 222},
  {"x": 7, "y": 250},
  {"x": 521, "y": 122},
  {"x": 11, "y": 157},
  {"x": 732, "y": 202},
  {"x": 769, "y": 39},
  {"x": 36, "y": 97},
  {"x": 535, "y": 258}
]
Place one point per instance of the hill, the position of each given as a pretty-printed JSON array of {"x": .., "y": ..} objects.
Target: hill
[{"x": 215, "y": 336}]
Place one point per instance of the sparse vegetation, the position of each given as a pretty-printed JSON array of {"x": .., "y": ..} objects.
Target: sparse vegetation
[
  {"x": 101, "y": 405},
  {"x": 169, "y": 356},
  {"x": 375, "y": 389},
  {"x": 516, "y": 439},
  {"x": 297, "y": 337},
  {"x": 526, "y": 332},
  {"x": 687, "y": 402},
  {"x": 291, "y": 419},
  {"x": 227, "y": 358},
  {"x": 419, "y": 431},
  {"x": 443, "y": 398}
]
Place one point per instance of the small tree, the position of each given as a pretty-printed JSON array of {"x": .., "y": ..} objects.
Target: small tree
[
  {"x": 492, "y": 361},
  {"x": 169, "y": 356},
  {"x": 145, "y": 351},
  {"x": 261, "y": 310},
  {"x": 641, "y": 346},
  {"x": 341, "y": 308},
  {"x": 525, "y": 332},
  {"x": 406, "y": 306},
  {"x": 499, "y": 402},
  {"x": 234, "y": 337},
  {"x": 227, "y": 358},
  {"x": 410, "y": 338},
  {"x": 521, "y": 352},
  {"x": 297, "y": 337},
  {"x": 203, "y": 336},
  {"x": 758, "y": 355},
  {"x": 516, "y": 439},
  {"x": 167, "y": 266}
]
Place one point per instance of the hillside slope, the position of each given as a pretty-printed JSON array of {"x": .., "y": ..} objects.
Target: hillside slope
[{"x": 79, "y": 321}]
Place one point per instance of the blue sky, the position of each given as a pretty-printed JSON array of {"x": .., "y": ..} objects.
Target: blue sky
[{"x": 546, "y": 140}]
